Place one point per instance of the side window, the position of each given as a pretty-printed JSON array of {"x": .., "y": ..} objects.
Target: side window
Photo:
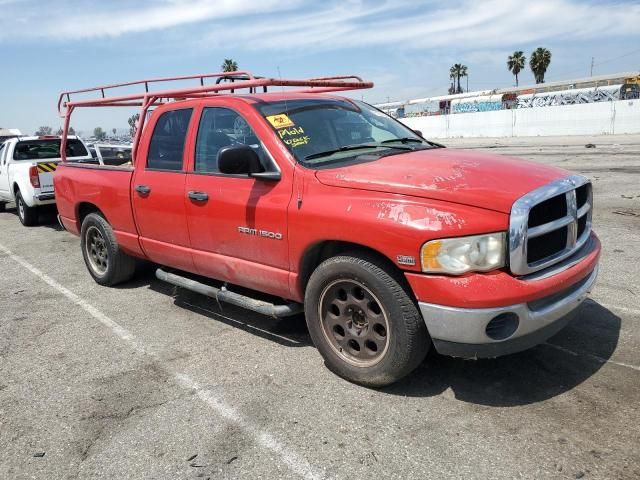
[
  {"x": 3, "y": 153},
  {"x": 167, "y": 142},
  {"x": 221, "y": 127}
]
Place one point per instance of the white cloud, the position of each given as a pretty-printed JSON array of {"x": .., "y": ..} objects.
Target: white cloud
[
  {"x": 466, "y": 26},
  {"x": 83, "y": 19},
  {"x": 332, "y": 24}
]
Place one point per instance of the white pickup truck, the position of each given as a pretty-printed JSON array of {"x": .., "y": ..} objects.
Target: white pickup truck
[{"x": 26, "y": 172}]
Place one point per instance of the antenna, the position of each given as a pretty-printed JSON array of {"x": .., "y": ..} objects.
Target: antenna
[{"x": 286, "y": 108}]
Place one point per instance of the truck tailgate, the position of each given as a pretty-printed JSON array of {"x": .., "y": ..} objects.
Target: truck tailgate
[{"x": 45, "y": 174}]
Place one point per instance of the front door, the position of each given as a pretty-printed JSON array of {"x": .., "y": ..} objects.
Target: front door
[
  {"x": 4, "y": 171},
  {"x": 158, "y": 190},
  {"x": 237, "y": 224}
]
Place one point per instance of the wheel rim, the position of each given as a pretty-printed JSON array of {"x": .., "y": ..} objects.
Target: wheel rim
[
  {"x": 354, "y": 322},
  {"x": 20, "y": 207},
  {"x": 96, "y": 250}
]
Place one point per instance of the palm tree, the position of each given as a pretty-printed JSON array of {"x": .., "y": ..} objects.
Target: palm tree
[
  {"x": 516, "y": 62},
  {"x": 539, "y": 62},
  {"x": 457, "y": 72},
  {"x": 229, "y": 65}
]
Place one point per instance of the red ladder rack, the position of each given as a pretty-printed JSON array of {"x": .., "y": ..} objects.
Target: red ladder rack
[{"x": 225, "y": 83}]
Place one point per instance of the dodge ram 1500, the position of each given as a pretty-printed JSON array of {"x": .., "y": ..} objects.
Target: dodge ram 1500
[{"x": 390, "y": 243}]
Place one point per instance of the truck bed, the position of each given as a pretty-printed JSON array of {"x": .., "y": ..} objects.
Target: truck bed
[{"x": 103, "y": 188}]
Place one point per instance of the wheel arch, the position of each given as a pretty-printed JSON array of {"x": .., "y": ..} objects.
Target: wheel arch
[
  {"x": 15, "y": 188},
  {"x": 24, "y": 189},
  {"x": 317, "y": 253},
  {"x": 85, "y": 208}
]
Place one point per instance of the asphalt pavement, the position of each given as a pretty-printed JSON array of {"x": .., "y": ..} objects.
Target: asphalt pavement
[{"x": 145, "y": 381}]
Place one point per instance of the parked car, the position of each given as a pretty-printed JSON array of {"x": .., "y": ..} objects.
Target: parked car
[
  {"x": 390, "y": 243},
  {"x": 26, "y": 172},
  {"x": 7, "y": 133}
]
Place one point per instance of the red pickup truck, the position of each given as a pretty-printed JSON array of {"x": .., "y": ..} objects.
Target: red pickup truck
[{"x": 299, "y": 199}]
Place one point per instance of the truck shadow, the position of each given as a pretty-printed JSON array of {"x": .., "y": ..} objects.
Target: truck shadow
[
  {"x": 47, "y": 216},
  {"x": 550, "y": 369},
  {"x": 288, "y": 332},
  {"x": 543, "y": 372}
]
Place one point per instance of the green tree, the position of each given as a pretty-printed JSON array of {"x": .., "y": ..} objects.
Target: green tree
[
  {"x": 71, "y": 131},
  {"x": 456, "y": 72},
  {"x": 452, "y": 87},
  {"x": 229, "y": 65},
  {"x": 114, "y": 130},
  {"x": 516, "y": 62},
  {"x": 539, "y": 62},
  {"x": 99, "y": 133},
  {"x": 132, "y": 121},
  {"x": 44, "y": 131}
]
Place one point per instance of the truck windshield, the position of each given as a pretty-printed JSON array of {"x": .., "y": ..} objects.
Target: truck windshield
[
  {"x": 323, "y": 133},
  {"x": 49, "y": 148}
]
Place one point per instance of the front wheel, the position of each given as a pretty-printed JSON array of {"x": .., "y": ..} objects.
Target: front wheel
[
  {"x": 106, "y": 262},
  {"x": 363, "y": 320},
  {"x": 28, "y": 215}
]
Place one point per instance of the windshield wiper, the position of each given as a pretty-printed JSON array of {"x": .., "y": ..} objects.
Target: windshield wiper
[
  {"x": 403, "y": 140},
  {"x": 353, "y": 147}
]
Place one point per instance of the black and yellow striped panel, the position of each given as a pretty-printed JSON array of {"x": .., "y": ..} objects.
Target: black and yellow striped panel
[{"x": 47, "y": 167}]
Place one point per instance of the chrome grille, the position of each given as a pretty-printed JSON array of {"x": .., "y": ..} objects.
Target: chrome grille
[{"x": 549, "y": 224}]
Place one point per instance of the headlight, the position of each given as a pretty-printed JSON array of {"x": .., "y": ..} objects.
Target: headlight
[{"x": 465, "y": 254}]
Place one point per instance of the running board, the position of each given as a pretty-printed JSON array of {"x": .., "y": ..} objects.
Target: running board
[{"x": 224, "y": 295}]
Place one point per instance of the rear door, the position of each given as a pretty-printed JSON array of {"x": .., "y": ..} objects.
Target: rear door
[
  {"x": 237, "y": 224},
  {"x": 158, "y": 189}
]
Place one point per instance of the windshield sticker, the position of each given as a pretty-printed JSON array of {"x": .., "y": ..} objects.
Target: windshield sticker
[
  {"x": 280, "y": 121},
  {"x": 297, "y": 141},
  {"x": 290, "y": 132},
  {"x": 293, "y": 136}
]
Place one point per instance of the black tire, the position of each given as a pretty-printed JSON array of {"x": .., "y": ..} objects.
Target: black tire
[
  {"x": 28, "y": 215},
  {"x": 343, "y": 290},
  {"x": 107, "y": 264},
  {"x": 3, "y": 206}
]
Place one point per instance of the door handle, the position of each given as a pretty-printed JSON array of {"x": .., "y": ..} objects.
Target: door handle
[
  {"x": 198, "y": 196},
  {"x": 143, "y": 189}
]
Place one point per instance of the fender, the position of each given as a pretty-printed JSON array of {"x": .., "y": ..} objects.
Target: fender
[{"x": 25, "y": 189}]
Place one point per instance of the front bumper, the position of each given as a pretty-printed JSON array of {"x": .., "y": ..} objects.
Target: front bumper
[{"x": 496, "y": 331}]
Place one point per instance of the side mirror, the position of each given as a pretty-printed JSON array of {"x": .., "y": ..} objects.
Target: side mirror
[
  {"x": 238, "y": 160},
  {"x": 419, "y": 133}
]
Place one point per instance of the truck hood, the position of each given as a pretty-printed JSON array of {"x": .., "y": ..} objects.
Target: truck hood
[{"x": 491, "y": 182}]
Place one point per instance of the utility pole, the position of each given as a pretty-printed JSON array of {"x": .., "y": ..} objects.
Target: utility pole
[
  {"x": 467, "y": 83},
  {"x": 592, "y": 59}
]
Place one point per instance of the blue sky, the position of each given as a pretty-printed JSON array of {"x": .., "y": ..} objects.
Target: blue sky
[{"x": 405, "y": 46}]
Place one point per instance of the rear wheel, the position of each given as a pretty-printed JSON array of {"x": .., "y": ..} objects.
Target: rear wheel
[
  {"x": 2, "y": 206},
  {"x": 106, "y": 262},
  {"x": 363, "y": 320},
  {"x": 28, "y": 215}
]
